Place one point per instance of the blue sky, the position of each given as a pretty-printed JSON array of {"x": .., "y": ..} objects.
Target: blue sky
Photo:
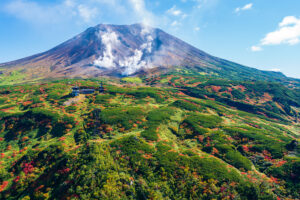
[{"x": 264, "y": 34}]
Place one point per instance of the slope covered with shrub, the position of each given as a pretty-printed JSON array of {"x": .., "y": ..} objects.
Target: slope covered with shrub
[{"x": 183, "y": 137}]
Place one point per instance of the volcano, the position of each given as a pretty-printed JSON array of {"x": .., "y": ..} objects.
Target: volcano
[{"x": 127, "y": 50}]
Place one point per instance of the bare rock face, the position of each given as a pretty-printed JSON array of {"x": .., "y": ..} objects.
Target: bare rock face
[{"x": 118, "y": 50}]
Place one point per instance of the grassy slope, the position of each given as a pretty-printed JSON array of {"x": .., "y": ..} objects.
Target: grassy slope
[{"x": 149, "y": 143}]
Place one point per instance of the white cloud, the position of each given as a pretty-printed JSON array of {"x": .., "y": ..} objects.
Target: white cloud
[
  {"x": 79, "y": 11},
  {"x": 87, "y": 13},
  {"x": 288, "y": 32},
  {"x": 31, "y": 11},
  {"x": 69, "y": 3},
  {"x": 177, "y": 16},
  {"x": 141, "y": 11},
  {"x": 175, "y": 23},
  {"x": 246, "y": 7},
  {"x": 256, "y": 48},
  {"x": 276, "y": 70},
  {"x": 174, "y": 11},
  {"x": 40, "y": 13},
  {"x": 197, "y": 28}
]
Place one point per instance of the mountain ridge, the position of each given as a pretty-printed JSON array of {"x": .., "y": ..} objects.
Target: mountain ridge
[{"x": 124, "y": 50}]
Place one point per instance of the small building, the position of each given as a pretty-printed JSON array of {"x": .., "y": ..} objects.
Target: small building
[
  {"x": 76, "y": 90},
  {"x": 87, "y": 91}
]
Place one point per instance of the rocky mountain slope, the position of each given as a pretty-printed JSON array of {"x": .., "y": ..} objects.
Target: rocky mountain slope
[{"x": 122, "y": 50}]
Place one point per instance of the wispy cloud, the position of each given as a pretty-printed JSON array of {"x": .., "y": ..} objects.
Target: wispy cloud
[
  {"x": 256, "y": 48},
  {"x": 83, "y": 11},
  {"x": 177, "y": 15},
  {"x": 34, "y": 12},
  {"x": 141, "y": 11},
  {"x": 39, "y": 13},
  {"x": 245, "y": 7},
  {"x": 174, "y": 11},
  {"x": 175, "y": 23},
  {"x": 87, "y": 13}
]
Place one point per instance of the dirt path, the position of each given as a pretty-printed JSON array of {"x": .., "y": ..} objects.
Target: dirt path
[{"x": 74, "y": 100}]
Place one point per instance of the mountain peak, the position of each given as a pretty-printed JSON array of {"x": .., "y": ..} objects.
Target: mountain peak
[{"x": 123, "y": 50}]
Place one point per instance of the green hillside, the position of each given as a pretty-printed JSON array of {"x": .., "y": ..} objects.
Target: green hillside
[{"x": 173, "y": 136}]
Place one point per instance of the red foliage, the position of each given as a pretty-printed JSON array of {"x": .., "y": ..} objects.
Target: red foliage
[
  {"x": 62, "y": 139},
  {"x": 109, "y": 129},
  {"x": 1, "y": 139},
  {"x": 25, "y": 138},
  {"x": 222, "y": 189},
  {"x": 243, "y": 88},
  {"x": 215, "y": 151},
  {"x": 280, "y": 163},
  {"x": 216, "y": 88},
  {"x": 6, "y": 109},
  {"x": 64, "y": 171},
  {"x": 246, "y": 148},
  {"x": 28, "y": 167},
  {"x": 17, "y": 179},
  {"x": 38, "y": 188},
  {"x": 180, "y": 93},
  {"x": 201, "y": 138},
  {"x": 274, "y": 180},
  {"x": 3, "y": 186},
  {"x": 26, "y": 103},
  {"x": 42, "y": 90}
]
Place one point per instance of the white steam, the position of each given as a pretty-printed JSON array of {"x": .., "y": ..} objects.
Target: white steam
[
  {"x": 133, "y": 63},
  {"x": 128, "y": 64},
  {"x": 109, "y": 39}
]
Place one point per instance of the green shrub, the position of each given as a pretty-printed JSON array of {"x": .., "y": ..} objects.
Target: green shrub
[
  {"x": 213, "y": 168},
  {"x": 206, "y": 121},
  {"x": 125, "y": 116},
  {"x": 151, "y": 92},
  {"x": 56, "y": 95},
  {"x": 80, "y": 136},
  {"x": 261, "y": 139},
  {"x": 237, "y": 94},
  {"x": 226, "y": 95},
  {"x": 150, "y": 134},
  {"x": 103, "y": 98},
  {"x": 40, "y": 113},
  {"x": 236, "y": 159},
  {"x": 3, "y": 100},
  {"x": 71, "y": 109},
  {"x": 160, "y": 115},
  {"x": 186, "y": 105},
  {"x": 36, "y": 100},
  {"x": 223, "y": 148}
]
